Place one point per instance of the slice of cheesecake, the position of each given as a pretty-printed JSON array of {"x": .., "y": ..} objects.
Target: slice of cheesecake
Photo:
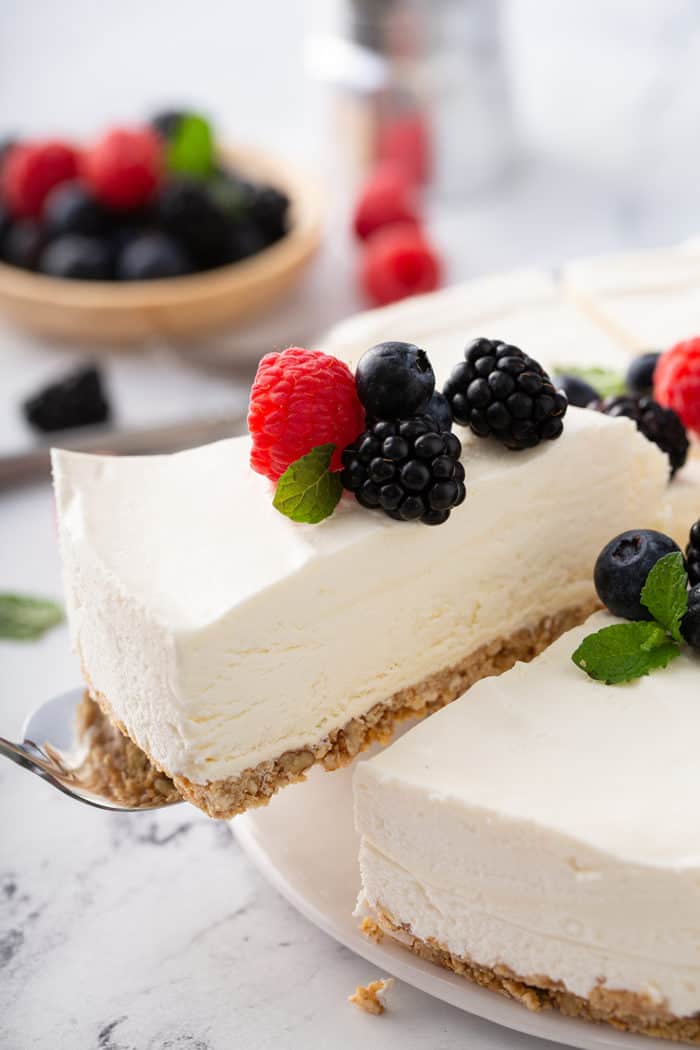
[
  {"x": 237, "y": 648},
  {"x": 539, "y": 836}
]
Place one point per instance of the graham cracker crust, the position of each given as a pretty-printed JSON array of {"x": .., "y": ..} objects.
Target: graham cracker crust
[
  {"x": 255, "y": 786},
  {"x": 624, "y": 1010}
]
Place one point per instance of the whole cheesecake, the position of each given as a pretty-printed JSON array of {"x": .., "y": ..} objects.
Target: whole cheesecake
[
  {"x": 539, "y": 837},
  {"x": 237, "y": 647}
]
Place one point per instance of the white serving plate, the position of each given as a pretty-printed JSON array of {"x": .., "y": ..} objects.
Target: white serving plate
[{"x": 305, "y": 844}]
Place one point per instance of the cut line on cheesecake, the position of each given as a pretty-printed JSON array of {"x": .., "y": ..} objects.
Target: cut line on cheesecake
[{"x": 226, "y": 798}]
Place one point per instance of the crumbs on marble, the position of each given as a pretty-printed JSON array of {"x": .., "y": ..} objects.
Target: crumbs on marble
[
  {"x": 370, "y": 998},
  {"x": 371, "y": 929}
]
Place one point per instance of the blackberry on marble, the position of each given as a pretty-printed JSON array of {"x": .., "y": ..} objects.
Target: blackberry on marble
[
  {"x": 500, "y": 392},
  {"x": 406, "y": 468},
  {"x": 692, "y": 555},
  {"x": 661, "y": 425}
]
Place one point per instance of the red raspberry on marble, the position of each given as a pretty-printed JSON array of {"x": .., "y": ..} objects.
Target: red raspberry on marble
[
  {"x": 397, "y": 262},
  {"x": 31, "y": 170},
  {"x": 123, "y": 168},
  {"x": 677, "y": 382},
  {"x": 387, "y": 197},
  {"x": 301, "y": 399}
]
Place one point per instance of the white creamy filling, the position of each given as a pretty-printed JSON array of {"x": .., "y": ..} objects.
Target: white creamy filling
[
  {"x": 598, "y": 926},
  {"x": 223, "y": 635},
  {"x": 546, "y": 822}
]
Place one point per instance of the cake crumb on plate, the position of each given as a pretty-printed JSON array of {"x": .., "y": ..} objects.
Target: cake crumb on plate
[
  {"x": 370, "y": 998},
  {"x": 371, "y": 928}
]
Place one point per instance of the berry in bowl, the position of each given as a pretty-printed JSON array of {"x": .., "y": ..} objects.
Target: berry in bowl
[{"x": 150, "y": 231}]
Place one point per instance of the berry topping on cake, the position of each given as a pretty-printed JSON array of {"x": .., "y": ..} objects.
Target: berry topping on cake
[
  {"x": 500, "y": 392},
  {"x": 301, "y": 399},
  {"x": 639, "y": 378},
  {"x": 658, "y": 424},
  {"x": 622, "y": 568},
  {"x": 394, "y": 379},
  {"x": 398, "y": 261},
  {"x": 692, "y": 555},
  {"x": 30, "y": 172},
  {"x": 690, "y": 624},
  {"x": 387, "y": 197},
  {"x": 124, "y": 167},
  {"x": 75, "y": 401},
  {"x": 407, "y": 468},
  {"x": 677, "y": 382},
  {"x": 578, "y": 391}
]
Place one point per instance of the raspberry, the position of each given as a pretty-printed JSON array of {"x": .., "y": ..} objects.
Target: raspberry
[
  {"x": 301, "y": 399},
  {"x": 397, "y": 262},
  {"x": 123, "y": 168},
  {"x": 387, "y": 197},
  {"x": 677, "y": 382},
  {"x": 31, "y": 171},
  {"x": 405, "y": 142},
  {"x": 407, "y": 468},
  {"x": 499, "y": 391},
  {"x": 660, "y": 425}
]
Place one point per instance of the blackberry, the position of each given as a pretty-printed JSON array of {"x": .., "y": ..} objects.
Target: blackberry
[
  {"x": 639, "y": 378},
  {"x": 187, "y": 211},
  {"x": 77, "y": 400},
  {"x": 269, "y": 210},
  {"x": 690, "y": 624},
  {"x": 661, "y": 425},
  {"x": 692, "y": 555},
  {"x": 407, "y": 468},
  {"x": 500, "y": 392},
  {"x": 244, "y": 240}
]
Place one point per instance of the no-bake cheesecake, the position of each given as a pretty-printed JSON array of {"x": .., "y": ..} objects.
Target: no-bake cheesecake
[
  {"x": 237, "y": 647},
  {"x": 539, "y": 837}
]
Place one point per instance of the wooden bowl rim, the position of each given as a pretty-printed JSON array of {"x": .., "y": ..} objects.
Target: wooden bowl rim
[{"x": 306, "y": 210}]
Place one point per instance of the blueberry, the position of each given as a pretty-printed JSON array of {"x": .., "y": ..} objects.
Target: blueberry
[
  {"x": 622, "y": 569},
  {"x": 152, "y": 255},
  {"x": 394, "y": 379},
  {"x": 438, "y": 411},
  {"x": 578, "y": 391},
  {"x": 70, "y": 209},
  {"x": 690, "y": 624},
  {"x": 640, "y": 374},
  {"x": 187, "y": 211},
  {"x": 22, "y": 243},
  {"x": 79, "y": 257}
]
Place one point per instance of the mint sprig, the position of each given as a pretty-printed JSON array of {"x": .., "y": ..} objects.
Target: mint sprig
[
  {"x": 604, "y": 380},
  {"x": 308, "y": 491},
  {"x": 625, "y": 651},
  {"x": 23, "y": 618},
  {"x": 191, "y": 150}
]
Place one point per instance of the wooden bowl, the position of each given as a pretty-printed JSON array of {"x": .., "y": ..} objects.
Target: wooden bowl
[{"x": 177, "y": 309}]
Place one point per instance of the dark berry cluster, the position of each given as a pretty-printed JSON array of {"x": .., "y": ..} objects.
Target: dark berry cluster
[
  {"x": 407, "y": 468},
  {"x": 499, "y": 391},
  {"x": 77, "y": 400},
  {"x": 658, "y": 424},
  {"x": 120, "y": 209},
  {"x": 692, "y": 555}
]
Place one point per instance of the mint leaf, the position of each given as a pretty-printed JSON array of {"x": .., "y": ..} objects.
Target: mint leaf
[
  {"x": 665, "y": 593},
  {"x": 23, "y": 618},
  {"x": 191, "y": 150},
  {"x": 625, "y": 651},
  {"x": 604, "y": 380},
  {"x": 307, "y": 491}
]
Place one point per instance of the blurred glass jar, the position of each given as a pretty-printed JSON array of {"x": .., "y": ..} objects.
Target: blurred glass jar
[{"x": 424, "y": 81}]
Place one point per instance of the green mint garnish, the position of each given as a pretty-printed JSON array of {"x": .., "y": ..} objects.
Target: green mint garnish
[
  {"x": 665, "y": 593},
  {"x": 191, "y": 150},
  {"x": 24, "y": 619},
  {"x": 604, "y": 380},
  {"x": 625, "y": 651},
  {"x": 307, "y": 491}
]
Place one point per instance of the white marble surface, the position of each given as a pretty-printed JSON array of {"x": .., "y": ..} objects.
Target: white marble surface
[{"x": 154, "y": 932}]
